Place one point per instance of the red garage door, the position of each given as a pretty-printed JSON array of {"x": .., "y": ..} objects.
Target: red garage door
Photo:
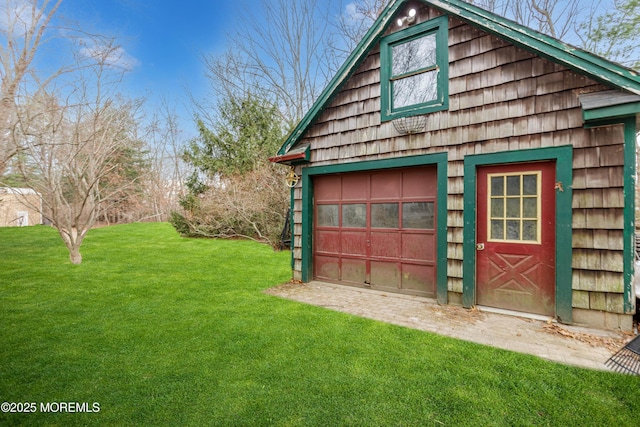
[{"x": 377, "y": 229}]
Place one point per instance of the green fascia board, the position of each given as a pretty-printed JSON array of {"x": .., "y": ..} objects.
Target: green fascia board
[
  {"x": 612, "y": 111},
  {"x": 579, "y": 60},
  {"x": 348, "y": 68},
  {"x": 438, "y": 159},
  {"x": 563, "y": 157}
]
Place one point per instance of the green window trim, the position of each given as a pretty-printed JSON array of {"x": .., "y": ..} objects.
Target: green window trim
[{"x": 436, "y": 27}]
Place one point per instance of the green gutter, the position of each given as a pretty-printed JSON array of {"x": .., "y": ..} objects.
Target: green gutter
[
  {"x": 292, "y": 245},
  {"x": 307, "y": 225},
  {"x": 629, "y": 212},
  {"x": 613, "y": 111}
]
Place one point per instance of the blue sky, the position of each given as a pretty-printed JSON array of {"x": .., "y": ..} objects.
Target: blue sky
[{"x": 162, "y": 40}]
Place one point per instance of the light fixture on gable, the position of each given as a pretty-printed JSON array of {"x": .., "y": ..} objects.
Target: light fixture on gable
[{"x": 409, "y": 19}]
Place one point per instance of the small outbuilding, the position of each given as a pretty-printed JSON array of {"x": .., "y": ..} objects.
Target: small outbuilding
[
  {"x": 461, "y": 156},
  {"x": 19, "y": 207}
]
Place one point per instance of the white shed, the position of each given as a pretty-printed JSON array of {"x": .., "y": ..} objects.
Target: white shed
[{"x": 19, "y": 207}]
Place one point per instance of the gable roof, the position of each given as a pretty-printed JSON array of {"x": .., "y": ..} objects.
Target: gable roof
[{"x": 585, "y": 63}]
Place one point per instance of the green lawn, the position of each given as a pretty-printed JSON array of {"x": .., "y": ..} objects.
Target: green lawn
[{"x": 160, "y": 330}]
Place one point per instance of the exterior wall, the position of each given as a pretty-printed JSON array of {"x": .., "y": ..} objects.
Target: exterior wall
[
  {"x": 11, "y": 204},
  {"x": 501, "y": 98}
]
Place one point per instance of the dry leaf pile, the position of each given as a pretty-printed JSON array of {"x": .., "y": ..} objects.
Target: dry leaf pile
[{"x": 610, "y": 343}]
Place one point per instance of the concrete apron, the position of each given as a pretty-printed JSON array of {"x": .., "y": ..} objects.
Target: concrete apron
[{"x": 587, "y": 348}]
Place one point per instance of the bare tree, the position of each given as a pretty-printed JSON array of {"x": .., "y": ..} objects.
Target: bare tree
[
  {"x": 553, "y": 17},
  {"x": 71, "y": 143},
  {"x": 165, "y": 184},
  {"x": 23, "y": 24},
  {"x": 558, "y": 18},
  {"x": 609, "y": 28},
  {"x": 351, "y": 24},
  {"x": 280, "y": 55}
]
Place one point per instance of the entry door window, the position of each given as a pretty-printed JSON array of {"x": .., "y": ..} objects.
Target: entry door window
[{"x": 514, "y": 207}]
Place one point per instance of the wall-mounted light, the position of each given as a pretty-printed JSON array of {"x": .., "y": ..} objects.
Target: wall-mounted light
[{"x": 409, "y": 19}]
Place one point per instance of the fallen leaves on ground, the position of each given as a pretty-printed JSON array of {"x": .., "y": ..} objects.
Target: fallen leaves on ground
[{"x": 612, "y": 344}]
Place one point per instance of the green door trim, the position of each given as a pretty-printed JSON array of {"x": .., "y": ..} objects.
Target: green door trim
[
  {"x": 439, "y": 160},
  {"x": 563, "y": 156}
]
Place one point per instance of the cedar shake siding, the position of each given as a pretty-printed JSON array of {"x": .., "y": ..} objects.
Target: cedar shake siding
[{"x": 501, "y": 98}]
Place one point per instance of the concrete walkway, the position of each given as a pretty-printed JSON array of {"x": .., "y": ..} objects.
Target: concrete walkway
[{"x": 588, "y": 348}]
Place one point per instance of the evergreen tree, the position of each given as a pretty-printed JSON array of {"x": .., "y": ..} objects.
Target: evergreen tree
[{"x": 246, "y": 133}]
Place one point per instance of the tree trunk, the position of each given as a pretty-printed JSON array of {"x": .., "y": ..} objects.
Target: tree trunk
[
  {"x": 75, "y": 256},
  {"x": 73, "y": 243}
]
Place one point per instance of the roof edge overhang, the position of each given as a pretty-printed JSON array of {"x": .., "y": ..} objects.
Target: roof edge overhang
[
  {"x": 293, "y": 157},
  {"x": 608, "y": 104}
]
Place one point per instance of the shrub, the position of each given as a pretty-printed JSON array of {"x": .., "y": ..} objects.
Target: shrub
[{"x": 250, "y": 205}]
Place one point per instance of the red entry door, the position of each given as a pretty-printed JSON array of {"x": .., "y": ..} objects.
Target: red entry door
[{"x": 515, "y": 250}]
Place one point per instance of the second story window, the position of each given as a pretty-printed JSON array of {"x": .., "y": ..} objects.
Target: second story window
[{"x": 414, "y": 70}]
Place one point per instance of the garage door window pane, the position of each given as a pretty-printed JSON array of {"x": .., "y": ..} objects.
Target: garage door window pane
[
  {"x": 384, "y": 215},
  {"x": 417, "y": 215},
  {"x": 327, "y": 215},
  {"x": 354, "y": 215}
]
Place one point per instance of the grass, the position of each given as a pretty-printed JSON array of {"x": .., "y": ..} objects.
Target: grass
[{"x": 161, "y": 330}]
